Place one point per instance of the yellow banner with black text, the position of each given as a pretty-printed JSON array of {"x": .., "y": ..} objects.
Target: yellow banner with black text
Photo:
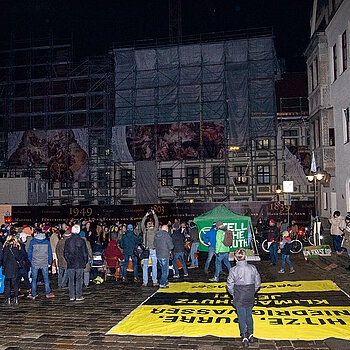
[{"x": 305, "y": 310}]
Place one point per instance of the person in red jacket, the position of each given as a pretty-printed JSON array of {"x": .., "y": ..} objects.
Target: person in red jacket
[{"x": 113, "y": 255}]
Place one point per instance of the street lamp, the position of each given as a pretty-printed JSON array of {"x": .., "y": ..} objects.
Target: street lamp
[
  {"x": 278, "y": 189},
  {"x": 314, "y": 177}
]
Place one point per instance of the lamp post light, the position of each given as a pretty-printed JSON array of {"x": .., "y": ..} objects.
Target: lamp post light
[
  {"x": 314, "y": 177},
  {"x": 278, "y": 191}
]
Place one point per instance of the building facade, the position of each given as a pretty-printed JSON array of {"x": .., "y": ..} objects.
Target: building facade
[
  {"x": 196, "y": 122},
  {"x": 329, "y": 94}
]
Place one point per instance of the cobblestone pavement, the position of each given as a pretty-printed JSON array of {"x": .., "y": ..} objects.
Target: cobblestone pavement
[{"x": 61, "y": 324}]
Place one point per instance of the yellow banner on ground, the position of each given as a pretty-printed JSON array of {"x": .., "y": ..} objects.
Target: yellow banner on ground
[{"x": 305, "y": 310}]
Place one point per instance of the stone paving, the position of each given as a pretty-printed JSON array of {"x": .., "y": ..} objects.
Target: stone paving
[{"x": 61, "y": 324}]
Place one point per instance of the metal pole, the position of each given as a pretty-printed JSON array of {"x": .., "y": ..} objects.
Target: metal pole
[{"x": 315, "y": 204}]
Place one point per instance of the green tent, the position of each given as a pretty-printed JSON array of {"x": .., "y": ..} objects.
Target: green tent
[{"x": 240, "y": 225}]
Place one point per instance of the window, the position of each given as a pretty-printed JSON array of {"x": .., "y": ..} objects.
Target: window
[
  {"x": 331, "y": 136},
  {"x": 307, "y": 133},
  {"x": 28, "y": 173},
  {"x": 346, "y": 125},
  {"x": 318, "y": 132},
  {"x": 311, "y": 74},
  {"x": 344, "y": 51},
  {"x": 263, "y": 173},
  {"x": 102, "y": 178},
  {"x": 44, "y": 174},
  {"x": 83, "y": 185},
  {"x": 126, "y": 178},
  {"x": 101, "y": 175},
  {"x": 335, "y": 62},
  {"x": 314, "y": 132},
  {"x": 166, "y": 177},
  {"x": 263, "y": 144},
  {"x": 241, "y": 178},
  {"x": 192, "y": 176},
  {"x": 219, "y": 175},
  {"x": 316, "y": 71},
  {"x": 65, "y": 185},
  {"x": 101, "y": 151},
  {"x": 290, "y": 138}
]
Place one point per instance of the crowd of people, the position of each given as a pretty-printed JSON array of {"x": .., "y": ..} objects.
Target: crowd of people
[{"x": 81, "y": 251}]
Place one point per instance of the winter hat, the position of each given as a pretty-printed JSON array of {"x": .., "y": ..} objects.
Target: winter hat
[
  {"x": 76, "y": 229},
  {"x": 82, "y": 234},
  {"x": 240, "y": 254},
  {"x": 285, "y": 233},
  {"x": 213, "y": 225},
  {"x": 130, "y": 227},
  {"x": 272, "y": 221},
  {"x": 219, "y": 224}
]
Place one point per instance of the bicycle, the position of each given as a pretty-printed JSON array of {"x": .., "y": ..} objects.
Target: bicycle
[{"x": 296, "y": 246}]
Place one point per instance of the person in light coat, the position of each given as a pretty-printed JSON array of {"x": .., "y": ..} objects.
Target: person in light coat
[
  {"x": 242, "y": 283},
  {"x": 337, "y": 222}
]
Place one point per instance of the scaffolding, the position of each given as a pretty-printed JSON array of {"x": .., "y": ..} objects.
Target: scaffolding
[
  {"x": 215, "y": 83},
  {"x": 41, "y": 90}
]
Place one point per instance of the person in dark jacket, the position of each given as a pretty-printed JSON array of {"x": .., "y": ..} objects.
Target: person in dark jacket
[
  {"x": 194, "y": 238},
  {"x": 178, "y": 239},
  {"x": 285, "y": 250},
  {"x": 273, "y": 238},
  {"x": 10, "y": 268},
  {"x": 76, "y": 255},
  {"x": 163, "y": 244},
  {"x": 40, "y": 256},
  {"x": 61, "y": 261},
  {"x": 129, "y": 242},
  {"x": 0, "y": 253},
  {"x": 210, "y": 239},
  {"x": 242, "y": 283},
  {"x": 25, "y": 262},
  {"x": 260, "y": 228}
]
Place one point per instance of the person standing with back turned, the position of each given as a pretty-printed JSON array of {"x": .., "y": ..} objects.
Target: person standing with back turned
[
  {"x": 242, "y": 283},
  {"x": 76, "y": 254},
  {"x": 149, "y": 232},
  {"x": 163, "y": 244}
]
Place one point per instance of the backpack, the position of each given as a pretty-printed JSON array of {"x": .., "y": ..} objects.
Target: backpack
[{"x": 228, "y": 238}]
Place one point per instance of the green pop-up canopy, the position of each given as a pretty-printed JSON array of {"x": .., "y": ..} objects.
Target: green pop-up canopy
[{"x": 240, "y": 225}]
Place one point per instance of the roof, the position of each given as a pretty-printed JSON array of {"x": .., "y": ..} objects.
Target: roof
[{"x": 221, "y": 213}]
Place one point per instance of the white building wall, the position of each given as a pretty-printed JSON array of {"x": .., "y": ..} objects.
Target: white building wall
[
  {"x": 14, "y": 191},
  {"x": 340, "y": 100}
]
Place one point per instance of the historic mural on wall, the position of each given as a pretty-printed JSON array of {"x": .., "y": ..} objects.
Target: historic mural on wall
[
  {"x": 176, "y": 141},
  {"x": 65, "y": 152}
]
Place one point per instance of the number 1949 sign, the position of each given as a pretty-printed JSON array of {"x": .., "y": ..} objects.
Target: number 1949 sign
[{"x": 315, "y": 251}]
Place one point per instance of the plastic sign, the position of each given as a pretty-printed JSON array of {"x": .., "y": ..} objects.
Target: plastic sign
[{"x": 288, "y": 186}]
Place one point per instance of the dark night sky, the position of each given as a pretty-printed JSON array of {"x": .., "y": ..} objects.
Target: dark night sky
[{"x": 95, "y": 24}]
